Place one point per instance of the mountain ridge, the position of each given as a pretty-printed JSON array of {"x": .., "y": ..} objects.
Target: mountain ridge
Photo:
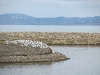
[{"x": 22, "y": 19}]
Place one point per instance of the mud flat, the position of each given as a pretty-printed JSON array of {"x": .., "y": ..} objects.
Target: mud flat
[
  {"x": 23, "y": 51},
  {"x": 54, "y": 38}
]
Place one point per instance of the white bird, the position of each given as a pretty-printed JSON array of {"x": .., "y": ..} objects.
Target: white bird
[{"x": 34, "y": 44}]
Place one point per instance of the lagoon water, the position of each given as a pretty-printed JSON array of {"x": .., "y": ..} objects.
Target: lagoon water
[
  {"x": 48, "y": 28},
  {"x": 84, "y": 60}
]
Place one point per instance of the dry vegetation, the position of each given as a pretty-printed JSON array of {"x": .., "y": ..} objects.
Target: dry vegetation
[{"x": 54, "y": 38}]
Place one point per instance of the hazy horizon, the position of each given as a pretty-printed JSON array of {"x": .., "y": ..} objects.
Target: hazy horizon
[
  {"x": 49, "y": 17},
  {"x": 51, "y": 8}
]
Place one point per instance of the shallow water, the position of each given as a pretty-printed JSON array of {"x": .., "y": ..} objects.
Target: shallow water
[
  {"x": 49, "y": 28},
  {"x": 84, "y": 60}
]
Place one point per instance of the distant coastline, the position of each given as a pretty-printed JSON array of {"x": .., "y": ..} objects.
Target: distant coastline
[{"x": 22, "y": 19}]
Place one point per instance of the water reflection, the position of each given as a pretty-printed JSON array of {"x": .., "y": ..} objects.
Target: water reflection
[{"x": 26, "y": 68}]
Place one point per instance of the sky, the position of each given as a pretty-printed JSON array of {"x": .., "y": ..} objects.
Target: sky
[{"x": 51, "y": 8}]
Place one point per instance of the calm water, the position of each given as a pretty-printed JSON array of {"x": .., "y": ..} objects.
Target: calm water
[
  {"x": 48, "y": 28},
  {"x": 84, "y": 60}
]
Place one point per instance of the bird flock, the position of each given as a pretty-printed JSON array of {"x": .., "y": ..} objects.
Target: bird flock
[{"x": 34, "y": 44}]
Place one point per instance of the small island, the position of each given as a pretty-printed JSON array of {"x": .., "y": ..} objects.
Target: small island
[{"x": 23, "y": 51}]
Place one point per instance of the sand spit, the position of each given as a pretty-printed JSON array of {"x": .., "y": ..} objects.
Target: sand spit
[{"x": 54, "y": 38}]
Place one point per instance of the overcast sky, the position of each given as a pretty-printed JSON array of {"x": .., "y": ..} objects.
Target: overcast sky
[{"x": 51, "y": 8}]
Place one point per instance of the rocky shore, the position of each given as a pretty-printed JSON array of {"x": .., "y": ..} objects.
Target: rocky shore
[
  {"x": 54, "y": 38},
  {"x": 24, "y": 46},
  {"x": 28, "y": 51}
]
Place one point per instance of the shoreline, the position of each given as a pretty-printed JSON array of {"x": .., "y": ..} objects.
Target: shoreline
[{"x": 54, "y": 38}]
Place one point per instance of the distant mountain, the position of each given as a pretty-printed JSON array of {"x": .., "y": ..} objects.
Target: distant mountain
[{"x": 22, "y": 19}]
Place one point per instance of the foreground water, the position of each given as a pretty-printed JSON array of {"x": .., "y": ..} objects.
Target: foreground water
[
  {"x": 48, "y": 28},
  {"x": 84, "y": 60}
]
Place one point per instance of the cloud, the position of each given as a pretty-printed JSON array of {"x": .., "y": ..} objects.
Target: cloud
[
  {"x": 51, "y": 7},
  {"x": 69, "y": 3},
  {"x": 79, "y": 0},
  {"x": 83, "y": 3}
]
